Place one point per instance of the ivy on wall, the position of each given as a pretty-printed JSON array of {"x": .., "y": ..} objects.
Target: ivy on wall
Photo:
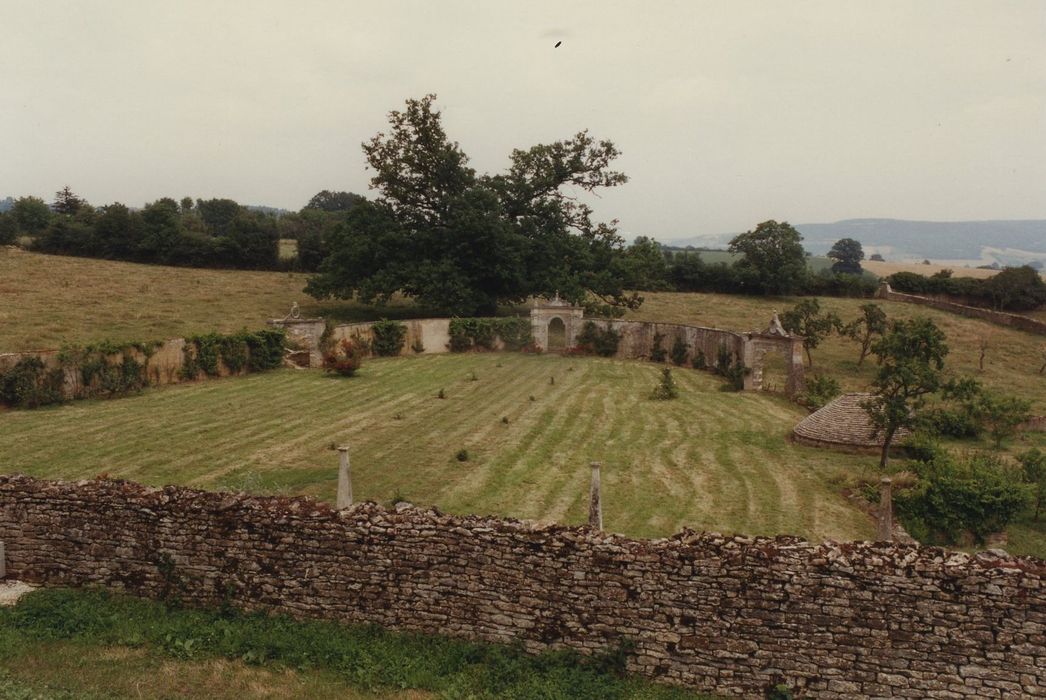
[
  {"x": 483, "y": 333},
  {"x": 110, "y": 370}
]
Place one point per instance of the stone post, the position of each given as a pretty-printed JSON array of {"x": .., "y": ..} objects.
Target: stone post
[
  {"x": 3, "y": 562},
  {"x": 885, "y": 530},
  {"x": 595, "y": 501},
  {"x": 344, "y": 478}
]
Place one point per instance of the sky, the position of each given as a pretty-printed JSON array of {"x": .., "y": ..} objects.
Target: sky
[{"x": 727, "y": 113}]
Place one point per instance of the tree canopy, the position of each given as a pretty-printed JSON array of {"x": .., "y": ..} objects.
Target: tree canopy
[
  {"x": 773, "y": 257},
  {"x": 848, "y": 255},
  {"x": 911, "y": 356},
  {"x": 461, "y": 242}
]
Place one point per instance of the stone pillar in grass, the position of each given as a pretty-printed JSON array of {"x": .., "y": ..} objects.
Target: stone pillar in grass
[
  {"x": 344, "y": 478},
  {"x": 885, "y": 529},
  {"x": 595, "y": 501}
]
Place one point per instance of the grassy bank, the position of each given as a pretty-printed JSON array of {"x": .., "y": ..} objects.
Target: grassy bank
[{"x": 63, "y": 644}]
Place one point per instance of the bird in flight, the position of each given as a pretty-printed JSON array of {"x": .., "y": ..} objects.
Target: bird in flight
[{"x": 557, "y": 44}]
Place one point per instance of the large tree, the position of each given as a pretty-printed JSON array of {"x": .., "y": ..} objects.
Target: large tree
[
  {"x": 847, "y": 254},
  {"x": 460, "y": 242},
  {"x": 327, "y": 200},
  {"x": 32, "y": 214},
  {"x": 911, "y": 357},
  {"x": 773, "y": 257}
]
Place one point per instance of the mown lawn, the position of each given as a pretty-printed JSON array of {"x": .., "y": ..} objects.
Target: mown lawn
[{"x": 708, "y": 460}]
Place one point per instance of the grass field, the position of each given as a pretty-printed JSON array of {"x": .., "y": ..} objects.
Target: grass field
[
  {"x": 49, "y": 300},
  {"x": 883, "y": 269},
  {"x": 709, "y": 460}
]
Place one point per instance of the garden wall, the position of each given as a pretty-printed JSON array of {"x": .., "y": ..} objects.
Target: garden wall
[
  {"x": 1023, "y": 323},
  {"x": 163, "y": 368},
  {"x": 730, "y": 615}
]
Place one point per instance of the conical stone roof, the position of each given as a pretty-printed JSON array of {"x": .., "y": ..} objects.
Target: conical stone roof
[{"x": 843, "y": 422}]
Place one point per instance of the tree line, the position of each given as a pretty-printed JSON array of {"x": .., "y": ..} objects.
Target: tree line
[{"x": 1012, "y": 289}]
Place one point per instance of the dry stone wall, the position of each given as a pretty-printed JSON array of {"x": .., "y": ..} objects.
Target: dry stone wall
[
  {"x": 730, "y": 615},
  {"x": 1023, "y": 323}
]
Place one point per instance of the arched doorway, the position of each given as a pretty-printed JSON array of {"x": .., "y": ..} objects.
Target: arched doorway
[{"x": 557, "y": 334}]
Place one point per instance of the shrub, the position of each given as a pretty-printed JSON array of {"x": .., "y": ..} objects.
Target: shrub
[
  {"x": 666, "y": 389},
  {"x": 979, "y": 496},
  {"x": 30, "y": 384},
  {"x": 679, "y": 351},
  {"x": 819, "y": 391},
  {"x": 389, "y": 337},
  {"x": 699, "y": 361},
  {"x": 601, "y": 341},
  {"x": 658, "y": 352},
  {"x": 463, "y": 455},
  {"x": 345, "y": 359}
]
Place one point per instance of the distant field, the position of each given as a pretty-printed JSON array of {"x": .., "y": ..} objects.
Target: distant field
[
  {"x": 709, "y": 460},
  {"x": 883, "y": 269},
  {"x": 49, "y": 300}
]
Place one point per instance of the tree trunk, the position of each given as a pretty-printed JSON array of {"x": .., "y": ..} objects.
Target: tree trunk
[
  {"x": 809, "y": 359},
  {"x": 885, "y": 456}
]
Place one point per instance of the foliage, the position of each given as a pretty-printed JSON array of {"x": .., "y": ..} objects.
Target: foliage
[
  {"x": 1012, "y": 289},
  {"x": 462, "y": 455},
  {"x": 29, "y": 384},
  {"x": 805, "y": 319},
  {"x": 1002, "y": 414},
  {"x": 871, "y": 324},
  {"x": 1033, "y": 472},
  {"x": 819, "y": 391},
  {"x": 643, "y": 266},
  {"x": 256, "y": 351},
  {"x": 329, "y": 201},
  {"x": 32, "y": 214},
  {"x": 657, "y": 351},
  {"x": 848, "y": 255},
  {"x": 911, "y": 356},
  {"x": 364, "y": 655},
  {"x": 699, "y": 361},
  {"x": 460, "y": 242},
  {"x": 345, "y": 358},
  {"x": 666, "y": 388},
  {"x": 101, "y": 375},
  {"x": 979, "y": 495},
  {"x": 483, "y": 333},
  {"x": 733, "y": 372},
  {"x": 679, "y": 351},
  {"x": 773, "y": 257},
  {"x": 215, "y": 233},
  {"x": 66, "y": 203},
  {"x": 389, "y": 337},
  {"x": 601, "y": 341}
]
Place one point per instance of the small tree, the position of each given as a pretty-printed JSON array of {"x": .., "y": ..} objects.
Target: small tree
[
  {"x": 848, "y": 255},
  {"x": 389, "y": 337},
  {"x": 67, "y": 203},
  {"x": 1001, "y": 415},
  {"x": 666, "y": 389},
  {"x": 1033, "y": 466},
  {"x": 679, "y": 351},
  {"x": 864, "y": 329},
  {"x": 805, "y": 319},
  {"x": 32, "y": 214},
  {"x": 658, "y": 352},
  {"x": 911, "y": 357}
]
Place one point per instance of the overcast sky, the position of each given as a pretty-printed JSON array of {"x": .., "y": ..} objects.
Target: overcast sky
[{"x": 727, "y": 113}]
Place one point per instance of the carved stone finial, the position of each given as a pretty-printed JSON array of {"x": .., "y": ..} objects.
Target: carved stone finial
[
  {"x": 295, "y": 313},
  {"x": 775, "y": 326}
]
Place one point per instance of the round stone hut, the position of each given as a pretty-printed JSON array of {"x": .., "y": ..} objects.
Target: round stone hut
[{"x": 843, "y": 424}]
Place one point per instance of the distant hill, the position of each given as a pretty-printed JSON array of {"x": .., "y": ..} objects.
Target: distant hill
[{"x": 1005, "y": 242}]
